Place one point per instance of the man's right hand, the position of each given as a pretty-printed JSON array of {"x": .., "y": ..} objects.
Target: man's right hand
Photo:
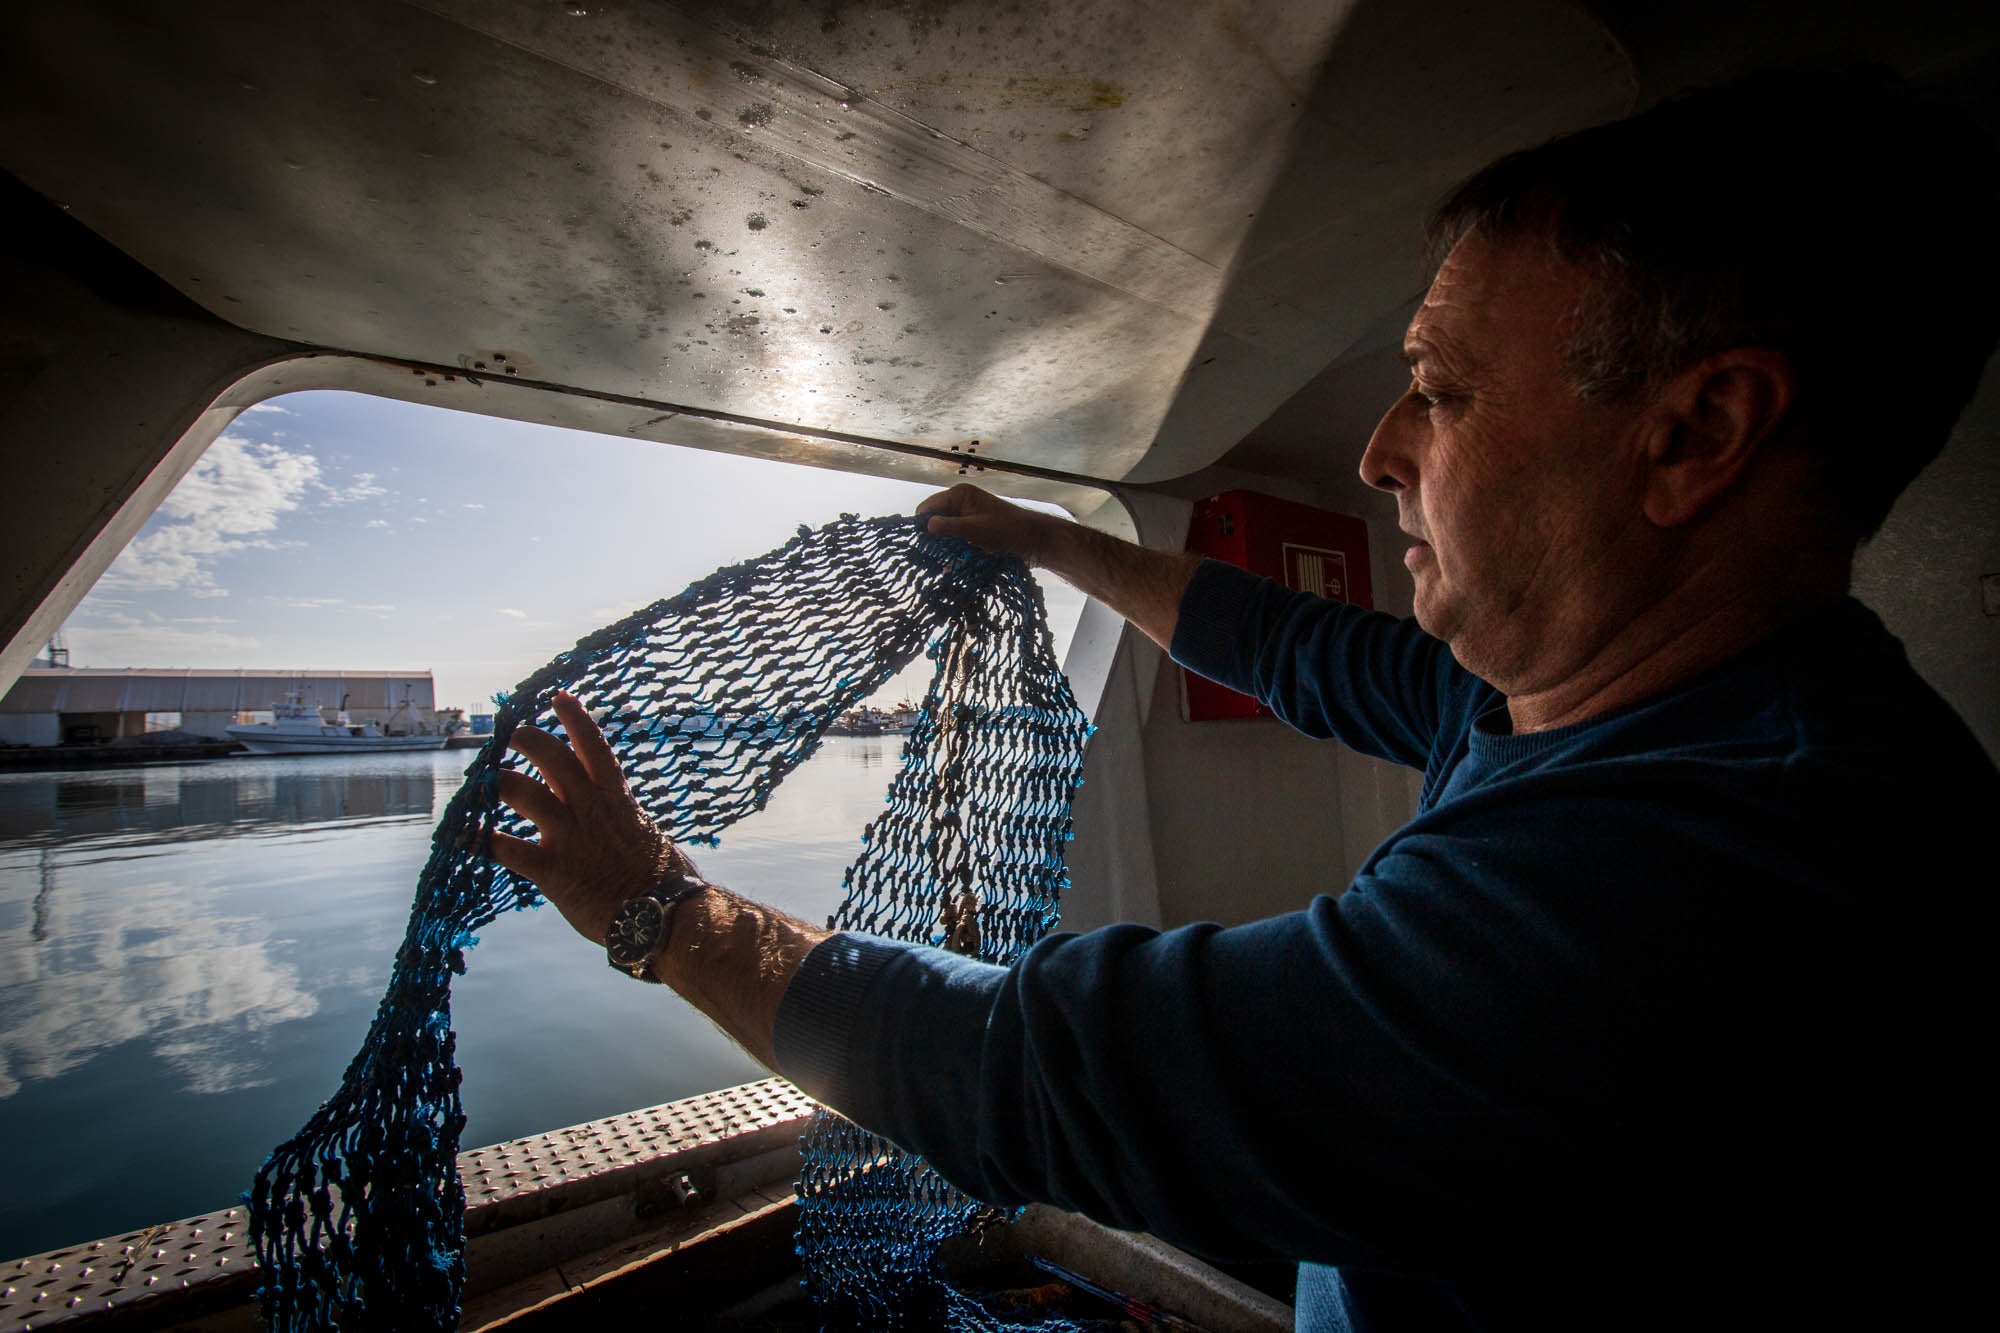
[
  {"x": 1143, "y": 585},
  {"x": 991, "y": 523}
]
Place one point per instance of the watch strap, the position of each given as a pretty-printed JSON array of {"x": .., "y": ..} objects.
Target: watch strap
[{"x": 676, "y": 885}]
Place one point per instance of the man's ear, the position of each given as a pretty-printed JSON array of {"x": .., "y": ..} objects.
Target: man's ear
[{"x": 1712, "y": 419}]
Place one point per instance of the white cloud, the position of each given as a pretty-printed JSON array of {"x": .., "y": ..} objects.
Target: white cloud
[
  {"x": 510, "y": 611},
  {"x": 363, "y": 486},
  {"x": 237, "y": 492},
  {"x": 375, "y": 523},
  {"x": 268, "y": 407},
  {"x": 96, "y": 612},
  {"x": 472, "y": 506},
  {"x": 150, "y": 645}
]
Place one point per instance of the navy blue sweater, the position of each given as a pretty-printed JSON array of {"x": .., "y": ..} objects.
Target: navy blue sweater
[{"x": 1656, "y": 1019}]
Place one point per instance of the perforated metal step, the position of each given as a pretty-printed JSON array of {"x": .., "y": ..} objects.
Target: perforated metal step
[{"x": 581, "y": 1182}]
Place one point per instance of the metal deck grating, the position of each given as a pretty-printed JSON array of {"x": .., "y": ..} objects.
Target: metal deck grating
[
  {"x": 53, "y": 1289},
  {"x": 205, "y": 1262}
]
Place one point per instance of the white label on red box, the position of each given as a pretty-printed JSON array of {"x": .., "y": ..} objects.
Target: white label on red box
[{"x": 1316, "y": 570}]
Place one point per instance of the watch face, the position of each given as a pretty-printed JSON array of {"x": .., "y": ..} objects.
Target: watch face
[{"x": 635, "y": 932}]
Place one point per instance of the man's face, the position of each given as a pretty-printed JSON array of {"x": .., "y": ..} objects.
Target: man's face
[{"x": 1522, "y": 498}]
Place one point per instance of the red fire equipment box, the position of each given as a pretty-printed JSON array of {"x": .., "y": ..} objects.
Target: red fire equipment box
[{"x": 1313, "y": 550}]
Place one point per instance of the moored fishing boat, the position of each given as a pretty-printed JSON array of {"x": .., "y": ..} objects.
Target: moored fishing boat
[{"x": 297, "y": 727}]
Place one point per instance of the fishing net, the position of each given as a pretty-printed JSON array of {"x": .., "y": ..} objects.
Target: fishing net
[{"x": 710, "y": 699}]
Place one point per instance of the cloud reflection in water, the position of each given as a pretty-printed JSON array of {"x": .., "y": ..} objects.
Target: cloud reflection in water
[{"x": 129, "y": 912}]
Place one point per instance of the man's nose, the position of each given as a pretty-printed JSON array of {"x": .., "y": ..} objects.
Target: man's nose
[{"x": 1385, "y": 463}]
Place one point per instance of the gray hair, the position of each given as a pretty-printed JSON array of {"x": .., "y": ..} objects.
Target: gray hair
[{"x": 1820, "y": 214}]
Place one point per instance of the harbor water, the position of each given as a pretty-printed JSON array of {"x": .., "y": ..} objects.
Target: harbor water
[{"x": 191, "y": 953}]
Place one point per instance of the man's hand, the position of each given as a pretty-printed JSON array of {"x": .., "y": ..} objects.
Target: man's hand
[
  {"x": 597, "y": 847},
  {"x": 991, "y": 523},
  {"x": 1143, "y": 585},
  {"x": 731, "y": 959}
]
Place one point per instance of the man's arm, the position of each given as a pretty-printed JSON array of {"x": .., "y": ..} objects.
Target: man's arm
[
  {"x": 1375, "y": 682},
  {"x": 730, "y": 958},
  {"x": 1143, "y": 585}
]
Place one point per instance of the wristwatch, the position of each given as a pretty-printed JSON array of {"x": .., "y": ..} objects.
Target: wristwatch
[{"x": 639, "y": 929}]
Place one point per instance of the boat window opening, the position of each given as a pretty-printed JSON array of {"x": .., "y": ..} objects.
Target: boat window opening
[{"x": 209, "y": 937}]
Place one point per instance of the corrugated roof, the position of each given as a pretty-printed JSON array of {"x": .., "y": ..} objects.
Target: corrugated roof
[{"x": 184, "y": 689}]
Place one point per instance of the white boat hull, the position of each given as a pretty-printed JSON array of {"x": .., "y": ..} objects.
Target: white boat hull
[{"x": 341, "y": 743}]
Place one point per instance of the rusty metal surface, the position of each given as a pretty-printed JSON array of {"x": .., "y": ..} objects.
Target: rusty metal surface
[{"x": 203, "y": 1262}]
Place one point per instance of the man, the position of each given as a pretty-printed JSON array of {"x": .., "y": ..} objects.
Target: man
[{"x": 1655, "y": 1013}]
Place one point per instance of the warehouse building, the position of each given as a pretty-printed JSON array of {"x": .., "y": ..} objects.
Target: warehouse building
[{"x": 88, "y": 705}]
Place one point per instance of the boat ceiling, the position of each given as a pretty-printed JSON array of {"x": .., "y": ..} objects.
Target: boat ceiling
[{"x": 1107, "y": 239}]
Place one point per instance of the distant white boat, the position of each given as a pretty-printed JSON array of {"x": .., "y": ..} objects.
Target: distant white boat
[
  {"x": 297, "y": 727},
  {"x": 866, "y": 721}
]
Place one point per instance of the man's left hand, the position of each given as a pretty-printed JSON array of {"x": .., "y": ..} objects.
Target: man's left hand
[{"x": 595, "y": 847}]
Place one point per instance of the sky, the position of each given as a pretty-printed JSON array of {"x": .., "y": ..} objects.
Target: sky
[{"x": 338, "y": 531}]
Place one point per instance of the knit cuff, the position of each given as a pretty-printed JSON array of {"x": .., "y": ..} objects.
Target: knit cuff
[
  {"x": 813, "y": 1035},
  {"x": 1211, "y": 615}
]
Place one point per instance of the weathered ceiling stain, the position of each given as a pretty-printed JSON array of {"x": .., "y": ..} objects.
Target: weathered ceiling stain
[{"x": 1104, "y": 239}]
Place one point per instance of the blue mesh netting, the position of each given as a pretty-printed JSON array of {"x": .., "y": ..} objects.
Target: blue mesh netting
[{"x": 709, "y": 700}]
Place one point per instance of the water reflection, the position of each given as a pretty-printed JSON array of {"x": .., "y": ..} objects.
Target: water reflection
[
  {"x": 138, "y": 930},
  {"x": 97, "y": 970},
  {"x": 232, "y": 798},
  {"x": 869, "y": 752},
  {"x": 190, "y": 954}
]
